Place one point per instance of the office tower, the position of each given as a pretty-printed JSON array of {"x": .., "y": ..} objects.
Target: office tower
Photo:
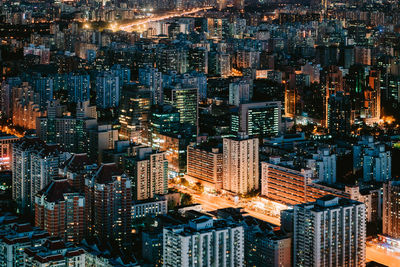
[
  {"x": 240, "y": 164},
  {"x": 204, "y": 165},
  {"x": 292, "y": 100},
  {"x": 78, "y": 87},
  {"x": 390, "y": 211},
  {"x": 175, "y": 144},
  {"x": 240, "y": 92},
  {"x": 332, "y": 82},
  {"x": 329, "y": 232},
  {"x": 260, "y": 118},
  {"x": 192, "y": 244},
  {"x": 6, "y": 141},
  {"x": 134, "y": 113},
  {"x": 149, "y": 207},
  {"x": 198, "y": 60},
  {"x": 108, "y": 195},
  {"x": 108, "y": 90},
  {"x": 34, "y": 164},
  {"x": 164, "y": 119},
  {"x": 362, "y": 55},
  {"x": 149, "y": 172},
  {"x": 59, "y": 210},
  {"x": 194, "y": 79},
  {"x": 347, "y": 56},
  {"x": 186, "y": 101},
  {"x": 152, "y": 78},
  {"x": 339, "y": 114}
]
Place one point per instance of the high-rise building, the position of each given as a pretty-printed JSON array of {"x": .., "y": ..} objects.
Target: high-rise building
[
  {"x": 164, "y": 119},
  {"x": 339, "y": 114},
  {"x": 59, "y": 209},
  {"x": 186, "y": 101},
  {"x": 332, "y": 82},
  {"x": 204, "y": 165},
  {"x": 260, "y": 118},
  {"x": 377, "y": 164},
  {"x": 390, "y": 211},
  {"x": 152, "y": 78},
  {"x": 108, "y": 195},
  {"x": 266, "y": 247},
  {"x": 134, "y": 113},
  {"x": 204, "y": 242},
  {"x": 240, "y": 92},
  {"x": 108, "y": 90},
  {"x": 329, "y": 232},
  {"x": 6, "y": 96},
  {"x": 122, "y": 72},
  {"x": 324, "y": 164},
  {"x": 371, "y": 197},
  {"x": 44, "y": 86},
  {"x": 78, "y": 87},
  {"x": 34, "y": 164},
  {"x": 198, "y": 60},
  {"x": 240, "y": 164},
  {"x": 25, "y": 107},
  {"x": 72, "y": 132},
  {"x": 175, "y": 144},
  {"x": 149, "y": 172},
  {"x": 76, "y": 169},
  {"x": 6, "y": 141}
]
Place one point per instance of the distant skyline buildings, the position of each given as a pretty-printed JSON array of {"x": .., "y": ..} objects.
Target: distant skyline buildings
[{"x": 185, "y": 132}]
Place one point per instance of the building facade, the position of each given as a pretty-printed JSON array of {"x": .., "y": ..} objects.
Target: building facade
[
  {"x": 329, "y": 232},
  {"x": 240, "y": 165}
]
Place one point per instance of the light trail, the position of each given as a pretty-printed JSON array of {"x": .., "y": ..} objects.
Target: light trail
[{"x": 126, "y": 27}]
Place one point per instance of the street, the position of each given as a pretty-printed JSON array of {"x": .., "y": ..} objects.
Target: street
[
  {"x": 211, "y": 203},
  {"x": 373, "y": 253}
]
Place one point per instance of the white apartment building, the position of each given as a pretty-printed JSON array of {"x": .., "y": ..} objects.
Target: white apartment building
[
  {"x": 329, "y": 232},
  {"x": 204, "y": 242}
]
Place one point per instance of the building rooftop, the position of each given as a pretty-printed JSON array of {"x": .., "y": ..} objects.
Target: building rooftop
[
  {"x": 329, "y": 202},
  {"x": 55, "y": 190},
  {"x": 77, "y": 162},
  {"x": 106, "y": 171}
]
